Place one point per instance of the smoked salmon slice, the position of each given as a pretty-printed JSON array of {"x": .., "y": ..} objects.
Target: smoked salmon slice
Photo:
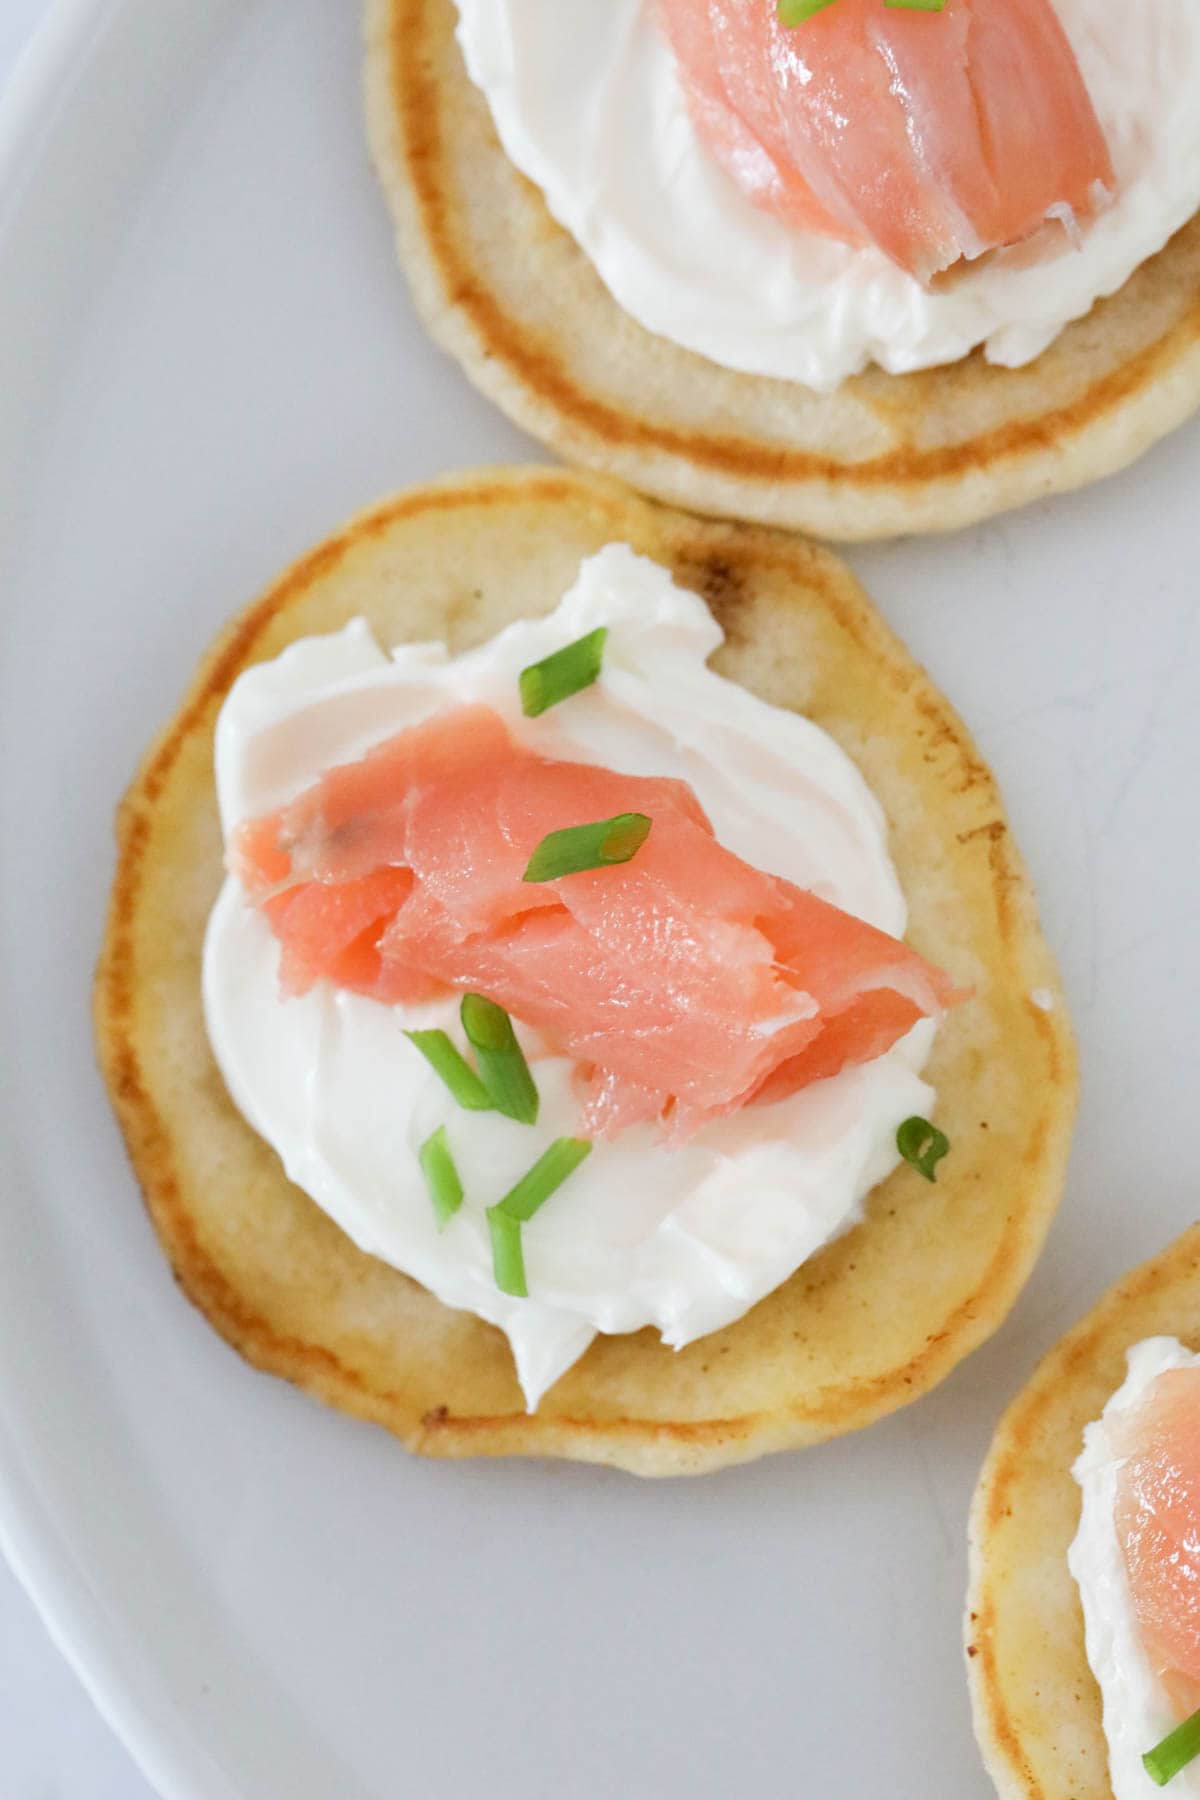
[
  {"x": 684, "y": 983},
  {"x": 1158, "y": 1527},
  {"x": 931, "y": 135}
]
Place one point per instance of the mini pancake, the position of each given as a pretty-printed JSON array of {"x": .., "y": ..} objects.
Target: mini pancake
[
  {"x": 1036, "y": 1703},
  {"x": 504, "y": 289},
  {"x": 869, "y": 1323}
]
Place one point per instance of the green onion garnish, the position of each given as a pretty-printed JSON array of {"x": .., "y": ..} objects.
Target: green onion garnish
[
  {"x": 535, "y": 1187},
  {"x": 508, "y": 1258},
  {"x": 543, "y": 684},
  {"x": 1176, "y": 1751},
  {"x": 582, "y": 847},
  {"x": 441, "y": 1176},
  {"x": 502, "y": 1066},
  {"x": 794, "y": 12},
  {"x": 447, "y": 1062},
  {"x": 922, "y": 1145},
  {"x": 548, "y": 1173}
]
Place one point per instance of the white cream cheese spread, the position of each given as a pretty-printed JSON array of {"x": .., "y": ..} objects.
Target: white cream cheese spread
[
  {"x": 1137, "y": 1714},
  {"x": 588, "y": 105},
  {"x": 682, "y": 1239}
]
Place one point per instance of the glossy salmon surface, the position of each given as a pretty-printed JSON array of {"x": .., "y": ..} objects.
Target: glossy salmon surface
[
  {"x": 933, "y": 136},
  {"x": 684, "y": 983}
]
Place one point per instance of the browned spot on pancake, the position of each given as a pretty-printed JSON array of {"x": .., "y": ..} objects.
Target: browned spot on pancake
[
  {"x": 1045, "y": 1029},
  {"x": 721, "y": 582},
  {"x": 995, "y": 834},
  {"x": 941, "y": 734}
]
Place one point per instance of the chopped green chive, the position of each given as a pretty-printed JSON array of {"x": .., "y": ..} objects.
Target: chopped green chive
[
  {"x": 548, "y": 1173},
  {"x": 518, "y": 1206},
  {"x": 502, "y": 1066},
  {"x": 508, "y": 1258},
  {"x": 441, "y": 1176},
  {"x": 922, "y": 1145},
  {"x": 543, "y": 684},
  {"x": 794, "y": 12},
  {"x": 457, "y": 1074},
  {"x": 1176, "y": 1751},
  {"x": 582, "y": 847}
]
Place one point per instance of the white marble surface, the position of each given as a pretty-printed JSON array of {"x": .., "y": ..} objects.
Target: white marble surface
[{"x": 53, "y": 1743}]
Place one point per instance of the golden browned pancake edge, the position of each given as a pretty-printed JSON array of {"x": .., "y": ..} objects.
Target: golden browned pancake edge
[
  {"x": 508, "y": 293},
  {"x": 1036, "y": 1705},
  {"x": 871, "y": 1322}
]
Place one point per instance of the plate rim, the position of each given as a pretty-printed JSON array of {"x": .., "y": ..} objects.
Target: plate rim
[{"x": 35, "y": 92}]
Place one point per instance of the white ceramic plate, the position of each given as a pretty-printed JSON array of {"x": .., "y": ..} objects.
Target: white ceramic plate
[{"x": 207, "y": 357}]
